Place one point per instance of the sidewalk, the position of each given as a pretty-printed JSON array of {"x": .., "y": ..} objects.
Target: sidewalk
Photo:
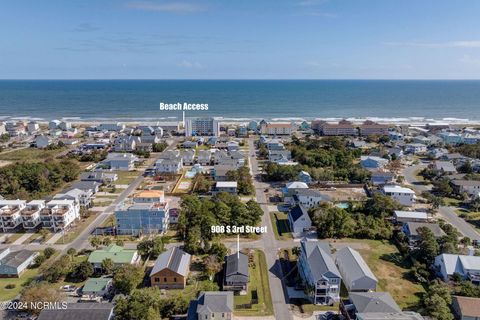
[
  {"x": 23, "y": 238},
  {"x": 54, "y": 238}
]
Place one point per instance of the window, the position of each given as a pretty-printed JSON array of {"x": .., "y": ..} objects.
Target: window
[
  {"x": 175, "y": 279},
  {"x": 164, "y": 279},
  {"x": 157, "y": 279}
]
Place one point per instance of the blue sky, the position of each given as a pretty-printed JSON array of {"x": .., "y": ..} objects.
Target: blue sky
[{"x": 240, "y": 39}]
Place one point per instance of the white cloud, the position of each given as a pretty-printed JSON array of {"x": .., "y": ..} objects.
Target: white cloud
[
  {"x": 448, "y": 44},
  {"x": 177, "y": 7},
  {"x": 321, "y": 14},
  {"x": 190, "y": 65},
  {"x": 309, "y": 3},
  {"x": 470, "y": 61}
]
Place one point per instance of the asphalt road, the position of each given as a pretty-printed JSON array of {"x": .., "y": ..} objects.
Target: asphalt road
[
  {"x": 269, "y": 245},
  {"x": 446, "y": 212}
]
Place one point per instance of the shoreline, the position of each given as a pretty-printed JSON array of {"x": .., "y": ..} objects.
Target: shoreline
[{"x": 411, "y": 121}]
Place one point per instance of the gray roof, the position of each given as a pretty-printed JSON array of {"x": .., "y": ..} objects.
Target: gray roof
[
  {"x": 374, "y": 302},
  {"x": 446, "y": 166},
  {"x": 435, "y": 228},
  {"x": 16, "y": 258},
  {"x": 406, "y": 315},
  {"x": 173, "y": 259},
  {"x": 311, "y": 193},
  {"x": 319, "y": 259},
  {"x": 236, "y": 267},
  {"x": 353, "y": 266},
  {"x": 85, "y": 185},
  {"x": 79, "y": 311},
  {"x": 215, "y": 301},
  {"x": 466, "y": 183}
]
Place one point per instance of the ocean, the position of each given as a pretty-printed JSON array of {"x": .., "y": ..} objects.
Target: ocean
[{"x": 241, "y": 99}]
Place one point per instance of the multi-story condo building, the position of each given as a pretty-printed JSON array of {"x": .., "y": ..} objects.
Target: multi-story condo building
[
  {"x": 202, "y": 127},
  {"x": 146, "y": 213},
  {"x": 369, "y": 128},
  {"x": 276, "y": 128},
  {"x": 342, "y": 128},
  {"x": 31, "y": 214},
  {"x": 59, "y": 214},
  {"x": 319, "y": 272},
  {"x": 10, "y": 214}
]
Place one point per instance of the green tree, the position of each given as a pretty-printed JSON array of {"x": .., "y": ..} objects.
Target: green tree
[
  {"x": 127, "y": 277},
  {"x": 83, "y": 271},
  {"x": 428, "y": 247},
  {"x": 333, "y": 222},
  {"x": 108, "y": 265},
  {"x": 39, "y": 293},
  {"x": 381, "y": 205},
  {"x": 71, "y": 252},
  {"x": 96, "y": 242},
  {"x": 48, "y": 252}
]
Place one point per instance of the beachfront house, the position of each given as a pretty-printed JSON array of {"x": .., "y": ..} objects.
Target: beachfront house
[{"x": 169, "y": 166}]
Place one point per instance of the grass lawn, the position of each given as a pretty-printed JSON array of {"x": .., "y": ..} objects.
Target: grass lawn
[
  {"x": 20, "y": 283},
  {"x": 37, "y": 235},
  {"x": 102, "y": 202},
  {"x": 73, "y": 233},
  {"x": 451, "y": 202},
  {"x": 14, "y": 236},
  {"x": 30, "y": 154},
  {"x": 126, "y": 177},
  {"x": 281, "y": 228},
  {"x": 471, "y": 217},
  {"x": 385, "y": 262},
  {"x": 259, "y": 282}
]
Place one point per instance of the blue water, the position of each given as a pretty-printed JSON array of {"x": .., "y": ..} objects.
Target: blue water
[{"x": 269, "y": 99}]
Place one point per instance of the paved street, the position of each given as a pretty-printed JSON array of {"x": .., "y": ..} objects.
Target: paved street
[
  {"x": 269, "y": 245},
  {"x": 446, "y": 212}
]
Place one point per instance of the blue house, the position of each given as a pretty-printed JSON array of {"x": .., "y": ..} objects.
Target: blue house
[{"x": 14, "y": 263}]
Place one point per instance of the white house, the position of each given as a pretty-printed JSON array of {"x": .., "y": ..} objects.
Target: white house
[
  {"x": 470, "y": 187},
  {"x": 404, "y": 196},
  {"x": 188, "y": 157},
  {"x": 120, "y": 161},
  {"x": 415, "y": 148},
  {"x": 309, "y": 198},
  {"x": 59, "y": 214},
  {"x": 299, "y": 220},
  {"x": 173, "y": 165},
  {"x": 468, "y": 267},
  {"x": 10, "y": 217},
  {"x": 226, "y": 186},
  {"x": 31, "y": 214}
]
